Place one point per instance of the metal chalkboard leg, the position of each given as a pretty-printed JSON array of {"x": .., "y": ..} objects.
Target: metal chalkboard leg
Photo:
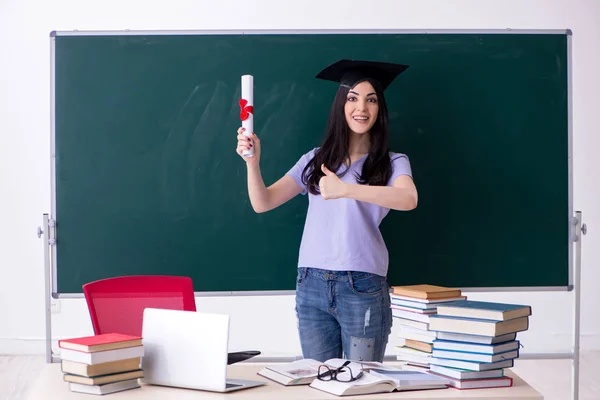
[
  {"x": 44, "y": 231},
  {"x": 580, "y": 229}
]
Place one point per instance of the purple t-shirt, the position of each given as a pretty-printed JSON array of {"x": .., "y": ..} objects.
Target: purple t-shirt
[{"x": 343, "y": 234}]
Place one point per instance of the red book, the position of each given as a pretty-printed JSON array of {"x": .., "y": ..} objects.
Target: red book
[{"x": 106, "y": 341}]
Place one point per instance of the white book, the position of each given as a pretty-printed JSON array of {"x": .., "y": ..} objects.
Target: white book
[
  {"x": 476, "y": 347},
  {"x": 104, "y": 389},
  {"x": 415, "y": 336},
  {"x": 411, "y": 315},
  {"x": 405, "y": 378},
  {"x": 463, "y": 374},
  {"x": 101, "y": 356},
  {"x": 412, "y": 356},
  {"x": 463, "y": 337},
  {"x": 410, "y": 323},
  {"x": 300, "y": 368},
  {"x": 408, "y": 350},
  {"x": 300, "y": 372},
  {"x": 425, "y": 332}
]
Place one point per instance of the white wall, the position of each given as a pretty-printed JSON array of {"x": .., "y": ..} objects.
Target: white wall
[{"x": 265, "y": 323}]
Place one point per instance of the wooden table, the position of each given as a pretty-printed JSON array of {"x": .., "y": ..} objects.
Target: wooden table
[{"x": 50, "y": 386}]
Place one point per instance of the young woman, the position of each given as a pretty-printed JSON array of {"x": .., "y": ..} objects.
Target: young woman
[{"x": 352, "y": 181}]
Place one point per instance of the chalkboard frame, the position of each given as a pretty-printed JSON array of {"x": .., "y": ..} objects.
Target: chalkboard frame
[{"x": 51, "y": 228}]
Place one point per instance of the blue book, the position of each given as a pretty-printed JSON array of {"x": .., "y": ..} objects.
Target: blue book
[
  {"x": 463, "y": 337},
  {"x": 476, "y": 347},
  {"x": 483, "y": 310},
  {"x": 414, "y": 304},
  {"x": 470, "y": 365},
  {"x": 476, "y": 326}
]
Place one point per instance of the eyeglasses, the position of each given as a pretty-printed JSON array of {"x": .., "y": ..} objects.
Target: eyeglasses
[{"x": 341, "y": 373}]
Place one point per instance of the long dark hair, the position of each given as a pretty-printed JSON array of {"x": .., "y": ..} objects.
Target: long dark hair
[{"x": 377, "y": 168}]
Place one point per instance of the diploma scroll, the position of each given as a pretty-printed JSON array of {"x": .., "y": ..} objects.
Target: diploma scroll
[{"x": 247, "y": 110}]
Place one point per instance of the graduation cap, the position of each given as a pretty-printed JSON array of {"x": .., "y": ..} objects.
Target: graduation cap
[{"x": 349, "y": 72}]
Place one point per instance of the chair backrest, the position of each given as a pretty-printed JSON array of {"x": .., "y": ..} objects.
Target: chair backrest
[{"x": 117, "y": 304}]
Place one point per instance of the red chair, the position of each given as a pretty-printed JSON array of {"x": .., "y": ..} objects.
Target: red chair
[{"x": 117, "y": 304}]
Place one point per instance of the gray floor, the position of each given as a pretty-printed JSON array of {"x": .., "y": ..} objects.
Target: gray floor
[{"x": 552, "y": 378}]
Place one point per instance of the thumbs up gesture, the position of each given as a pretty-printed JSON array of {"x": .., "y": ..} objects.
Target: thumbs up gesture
[{"x": 330, "y": 186}]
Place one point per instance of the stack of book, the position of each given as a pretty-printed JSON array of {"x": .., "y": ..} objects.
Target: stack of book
[
  {"x": 476, "y": 342},
  {"x": 102, "y": 364},
  {"x": 412, "y": 307}
]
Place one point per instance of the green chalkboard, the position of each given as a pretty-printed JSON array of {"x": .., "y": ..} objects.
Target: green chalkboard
[{"x": 147, "y": 180}]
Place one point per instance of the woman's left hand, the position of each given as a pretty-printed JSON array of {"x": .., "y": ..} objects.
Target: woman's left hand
[{"x": 330, "y": 186}]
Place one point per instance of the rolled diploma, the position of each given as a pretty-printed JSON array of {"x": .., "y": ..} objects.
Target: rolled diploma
[{"x": 248, "y": 124}]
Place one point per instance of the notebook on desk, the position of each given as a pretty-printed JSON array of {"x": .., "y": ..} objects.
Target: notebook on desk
[{"x": 188, "y": 349}]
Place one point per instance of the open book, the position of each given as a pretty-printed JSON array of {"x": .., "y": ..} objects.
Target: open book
[
  {"x": 382, "y": 381},
  {"x": 303, "y": 372}
]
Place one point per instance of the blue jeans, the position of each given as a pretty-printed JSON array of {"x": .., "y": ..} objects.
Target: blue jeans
[{"x": 342, "y": 314}]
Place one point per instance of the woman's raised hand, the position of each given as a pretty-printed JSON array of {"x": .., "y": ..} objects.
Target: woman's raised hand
[{"x": 246, "y": 143}]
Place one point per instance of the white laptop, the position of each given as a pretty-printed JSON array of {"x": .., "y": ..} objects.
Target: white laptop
[{"x": 188, "y": 349}]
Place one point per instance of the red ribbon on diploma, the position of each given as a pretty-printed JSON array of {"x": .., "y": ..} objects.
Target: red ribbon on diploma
[{"x": 245, "y": 109}]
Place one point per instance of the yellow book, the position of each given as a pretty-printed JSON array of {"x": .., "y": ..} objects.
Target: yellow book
[
  {"x": 426, "y": 291},
  {"x": 111, "y": 367},
  {"x": 103, "y": 379}
]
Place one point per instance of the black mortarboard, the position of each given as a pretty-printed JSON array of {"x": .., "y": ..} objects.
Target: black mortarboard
[{"x": 349, "y": 72}]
